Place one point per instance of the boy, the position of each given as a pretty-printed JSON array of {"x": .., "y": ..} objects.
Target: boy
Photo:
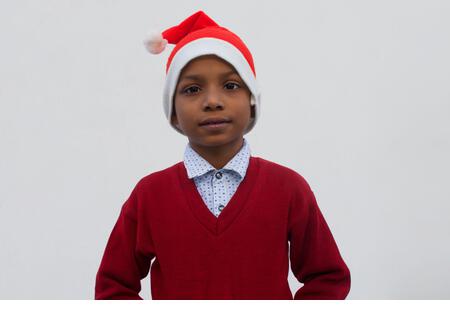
[{"x": 219, "y": 223}]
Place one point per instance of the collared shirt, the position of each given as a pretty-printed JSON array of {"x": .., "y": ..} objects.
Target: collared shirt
[{"x": 217, "y": 186}]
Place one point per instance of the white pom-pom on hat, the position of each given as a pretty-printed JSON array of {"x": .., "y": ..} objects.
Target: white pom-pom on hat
[{"x": 155, "y": 43}]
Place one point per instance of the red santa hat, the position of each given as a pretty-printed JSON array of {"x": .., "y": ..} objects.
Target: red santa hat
[{"x": 196, "y": 36}]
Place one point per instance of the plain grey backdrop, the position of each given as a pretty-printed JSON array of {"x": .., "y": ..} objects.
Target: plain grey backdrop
[{"x": 355, "y": 98}]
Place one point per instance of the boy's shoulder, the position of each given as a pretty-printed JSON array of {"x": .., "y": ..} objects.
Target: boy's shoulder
[
  {"x": 159, "y": 177},
  {"x": 287, "y": 180},
  {"x": 283, "y": 174}
]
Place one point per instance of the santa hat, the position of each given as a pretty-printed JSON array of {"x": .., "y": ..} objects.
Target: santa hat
[{"x": 196, "y": 36}]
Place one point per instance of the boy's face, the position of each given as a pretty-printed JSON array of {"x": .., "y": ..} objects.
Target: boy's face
[{"x": 210, "y": 87}]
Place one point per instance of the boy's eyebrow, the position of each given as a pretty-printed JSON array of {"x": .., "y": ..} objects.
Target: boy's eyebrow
[{"x": 200, "y": 77}]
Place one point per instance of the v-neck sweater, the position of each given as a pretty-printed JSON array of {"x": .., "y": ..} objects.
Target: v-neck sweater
[{"x": 271, "y": 220}]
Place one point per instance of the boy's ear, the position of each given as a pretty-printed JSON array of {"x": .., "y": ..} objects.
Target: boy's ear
[
  {"x": 252, "y": 106},
  {"x": 174, "y": 119}
]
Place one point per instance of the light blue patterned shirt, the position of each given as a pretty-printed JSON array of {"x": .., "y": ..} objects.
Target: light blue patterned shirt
[{"x": 217, "y": 186}]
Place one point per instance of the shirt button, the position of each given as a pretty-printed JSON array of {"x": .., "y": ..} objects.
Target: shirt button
[
  {"x": 219, "y": 175},
  {"x": 221, "y": 207}
]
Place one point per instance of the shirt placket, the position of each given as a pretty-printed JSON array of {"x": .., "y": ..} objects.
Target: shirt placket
[{"x": 217, "y": 192}]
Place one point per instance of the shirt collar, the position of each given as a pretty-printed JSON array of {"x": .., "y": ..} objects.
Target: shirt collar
[{"x": 197, "y": 166}]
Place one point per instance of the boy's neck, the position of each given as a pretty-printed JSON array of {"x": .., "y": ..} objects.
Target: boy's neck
[{"x": 219, "y": 156}]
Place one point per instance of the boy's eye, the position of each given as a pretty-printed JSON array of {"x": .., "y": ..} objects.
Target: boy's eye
[
  {"x": 189, "y": 88},
  {"x": 230, "y": 85}
]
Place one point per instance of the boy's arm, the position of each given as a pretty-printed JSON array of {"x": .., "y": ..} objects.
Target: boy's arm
[
  {"x": 123, "y": 265},
  {"x": 314, "y": 255}
]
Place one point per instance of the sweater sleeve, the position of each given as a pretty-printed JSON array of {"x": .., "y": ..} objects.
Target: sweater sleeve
[
  {"x": 315, "y": 258},
  {"x": 124, "y": 263}
]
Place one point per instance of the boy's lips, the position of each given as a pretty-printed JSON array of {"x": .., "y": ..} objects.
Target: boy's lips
[
  {"x": 214, "y": 120},
  {"x": 215, "y": 126}
]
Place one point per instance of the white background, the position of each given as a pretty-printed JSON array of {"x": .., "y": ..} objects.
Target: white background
[{"x": 355, "y": 97}]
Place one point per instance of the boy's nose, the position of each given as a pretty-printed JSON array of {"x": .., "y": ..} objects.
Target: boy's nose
[{"x": 213, "y": 99}]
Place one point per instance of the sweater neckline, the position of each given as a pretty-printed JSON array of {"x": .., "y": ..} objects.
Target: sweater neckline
[{"x": 236, "y": 205}]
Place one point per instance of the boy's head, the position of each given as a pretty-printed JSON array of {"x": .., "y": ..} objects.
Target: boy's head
[
  {"x": 207, "y": 50},
  {"x": 210, "y": 89}
]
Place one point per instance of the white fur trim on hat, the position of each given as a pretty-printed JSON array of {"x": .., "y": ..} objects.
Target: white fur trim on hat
[{"x": 205, "y": 46}]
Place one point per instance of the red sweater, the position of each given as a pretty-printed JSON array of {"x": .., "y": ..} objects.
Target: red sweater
[{"x": 243, "y": 254}]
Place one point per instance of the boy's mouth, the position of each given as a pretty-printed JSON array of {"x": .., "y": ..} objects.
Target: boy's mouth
[{"x": 214, "y": 120}]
